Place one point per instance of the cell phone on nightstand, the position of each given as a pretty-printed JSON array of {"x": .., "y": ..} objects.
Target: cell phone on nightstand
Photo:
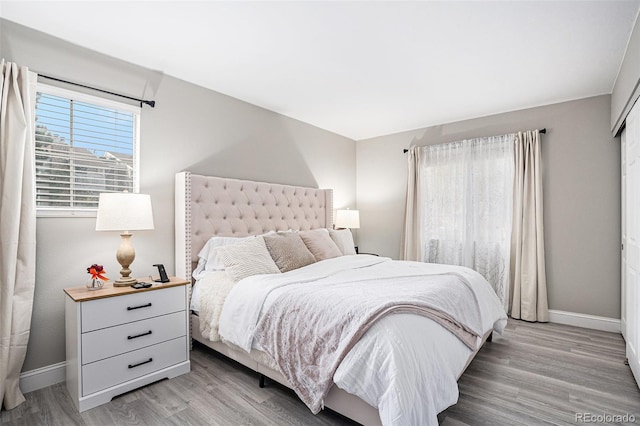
[{"x": 163, "y": 274}]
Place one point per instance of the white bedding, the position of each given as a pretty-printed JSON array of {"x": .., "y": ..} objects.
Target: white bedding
[{"x": 408, "y": 377}]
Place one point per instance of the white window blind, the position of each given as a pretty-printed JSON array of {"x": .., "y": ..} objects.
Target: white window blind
[{"x": 84, "y": 146}]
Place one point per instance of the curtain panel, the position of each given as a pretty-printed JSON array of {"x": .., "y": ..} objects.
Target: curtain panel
[
  {"x": 412, "y": 236},
  {"x": 528, "y": 272},
  {"x": 17, "y": 224}
]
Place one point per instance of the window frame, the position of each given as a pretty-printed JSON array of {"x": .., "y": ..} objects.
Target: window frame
[{"x": 42, "y": 211}]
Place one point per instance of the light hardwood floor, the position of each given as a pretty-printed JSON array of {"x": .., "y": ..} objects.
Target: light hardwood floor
[{"x": 534, "y": 374}]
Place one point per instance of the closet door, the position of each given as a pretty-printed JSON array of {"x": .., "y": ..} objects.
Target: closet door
[
  {"x": 623, "y": 229},
  {"x": 632, "y": 246}
]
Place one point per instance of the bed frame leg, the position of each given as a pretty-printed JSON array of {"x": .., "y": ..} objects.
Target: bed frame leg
[
  {"x": 261, "y": 381},
  {"x": 490, "y": 338}
]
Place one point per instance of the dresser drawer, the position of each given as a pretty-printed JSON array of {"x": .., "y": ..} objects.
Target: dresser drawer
[
  {"x": 108, "y": 342},
  {"x": 110, "y": 311},
  {"x": 119, "y": 369}
]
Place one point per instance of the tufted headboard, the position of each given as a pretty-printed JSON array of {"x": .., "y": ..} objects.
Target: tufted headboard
[{"x": 208, "y": 206}]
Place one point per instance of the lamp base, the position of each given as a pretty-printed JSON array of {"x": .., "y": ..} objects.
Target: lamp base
[
  {"x": 125, "y": 256},
  {"x": 124, "y": 282}
]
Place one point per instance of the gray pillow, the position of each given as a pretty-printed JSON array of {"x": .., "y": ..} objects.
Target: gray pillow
[
  {"x": 320, "y": 244},
  {"x": 288, "y": 251}
]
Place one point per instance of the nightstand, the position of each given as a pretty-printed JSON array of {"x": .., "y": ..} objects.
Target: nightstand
[{"x": 120, "y": 338}]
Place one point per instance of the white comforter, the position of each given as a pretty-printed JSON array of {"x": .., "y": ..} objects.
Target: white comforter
[{"x": 405, "y": 365}]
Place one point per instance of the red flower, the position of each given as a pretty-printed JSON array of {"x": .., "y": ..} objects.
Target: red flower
[{"x": 96, "y": 272}]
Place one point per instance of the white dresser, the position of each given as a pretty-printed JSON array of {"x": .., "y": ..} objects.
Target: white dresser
[{"x": 120, "y": 338}]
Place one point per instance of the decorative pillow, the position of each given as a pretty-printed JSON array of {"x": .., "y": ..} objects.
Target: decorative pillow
[
  {"x": 288, "y": 251},
  {"x": 320, "y": 244},
  {"x": 344, "y": 240},
  {"x": 246, "y": 259},
  {"x": 208, "y": 260}
]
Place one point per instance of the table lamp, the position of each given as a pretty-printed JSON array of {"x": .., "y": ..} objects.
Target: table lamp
[
  {"x": 124, "y": 212},
  {"x": 347, "y": 219}
]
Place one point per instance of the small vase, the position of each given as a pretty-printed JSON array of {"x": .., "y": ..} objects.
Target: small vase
[{"x": 94, "y": 284}]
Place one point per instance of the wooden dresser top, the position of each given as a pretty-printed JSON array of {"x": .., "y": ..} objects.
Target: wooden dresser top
[{"x": 83, "y": 294}]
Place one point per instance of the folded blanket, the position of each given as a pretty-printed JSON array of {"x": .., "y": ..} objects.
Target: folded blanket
[{"x": 214, "y": 288}]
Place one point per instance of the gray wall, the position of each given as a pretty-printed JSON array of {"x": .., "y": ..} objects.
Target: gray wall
[
  {"x": 627, "y": 86},
  {"x": 196, "y": 129},
  {"x": 191, "y": 128},
  {"x": 581, "y": 180}
]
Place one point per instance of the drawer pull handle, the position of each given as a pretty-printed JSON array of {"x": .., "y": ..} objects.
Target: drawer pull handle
[
  {"x": 139, "y": 335},
  {"x": 140, "y": 363},
  {"x": 131, "y": 308}
]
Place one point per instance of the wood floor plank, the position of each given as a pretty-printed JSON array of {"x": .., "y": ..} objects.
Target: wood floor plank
[{"x": 536, "y": 374}]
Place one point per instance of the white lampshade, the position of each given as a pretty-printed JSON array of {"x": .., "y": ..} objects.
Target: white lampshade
[
  {"x": 124, "y": 211},
  {"x": 347, "y": 219}
]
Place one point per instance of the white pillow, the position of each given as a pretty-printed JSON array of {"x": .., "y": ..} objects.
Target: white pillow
[
  {"x": 208, "y": 260},
  {"x": 246, "y": 259},
  {"x": 344, "y": 240}
]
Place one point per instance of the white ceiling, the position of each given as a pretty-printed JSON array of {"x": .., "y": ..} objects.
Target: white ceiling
[{"x": 360, "y": 69}]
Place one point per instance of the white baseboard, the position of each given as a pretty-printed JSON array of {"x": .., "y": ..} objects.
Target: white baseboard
[
  {"x": 584, "y": 320},
  {"x": 42, "y": 377}
]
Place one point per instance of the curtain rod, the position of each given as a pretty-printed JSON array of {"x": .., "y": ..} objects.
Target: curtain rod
[
  {"x": 543, "y": 131},
  {"x": 152, "y": 104}
]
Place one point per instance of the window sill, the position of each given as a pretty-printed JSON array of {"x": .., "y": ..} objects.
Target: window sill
[{"x": 44, "y": 212}]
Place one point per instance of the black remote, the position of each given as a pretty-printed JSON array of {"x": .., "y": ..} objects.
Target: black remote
[{"x": 141, "y": 285}]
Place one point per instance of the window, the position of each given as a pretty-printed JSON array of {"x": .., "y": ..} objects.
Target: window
[
  {"x": 85, "y": 145},
  {"x": 466, "y": 191}
]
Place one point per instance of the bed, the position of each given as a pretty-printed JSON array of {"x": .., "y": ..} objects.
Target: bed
[{"x": 362, "y": 380}]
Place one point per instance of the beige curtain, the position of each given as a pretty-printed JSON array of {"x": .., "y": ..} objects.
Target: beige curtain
[
  {"x": 17, "y": 224},
  {"x": 528, "y": 276},
  {"x": 412, "y": 236}
]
